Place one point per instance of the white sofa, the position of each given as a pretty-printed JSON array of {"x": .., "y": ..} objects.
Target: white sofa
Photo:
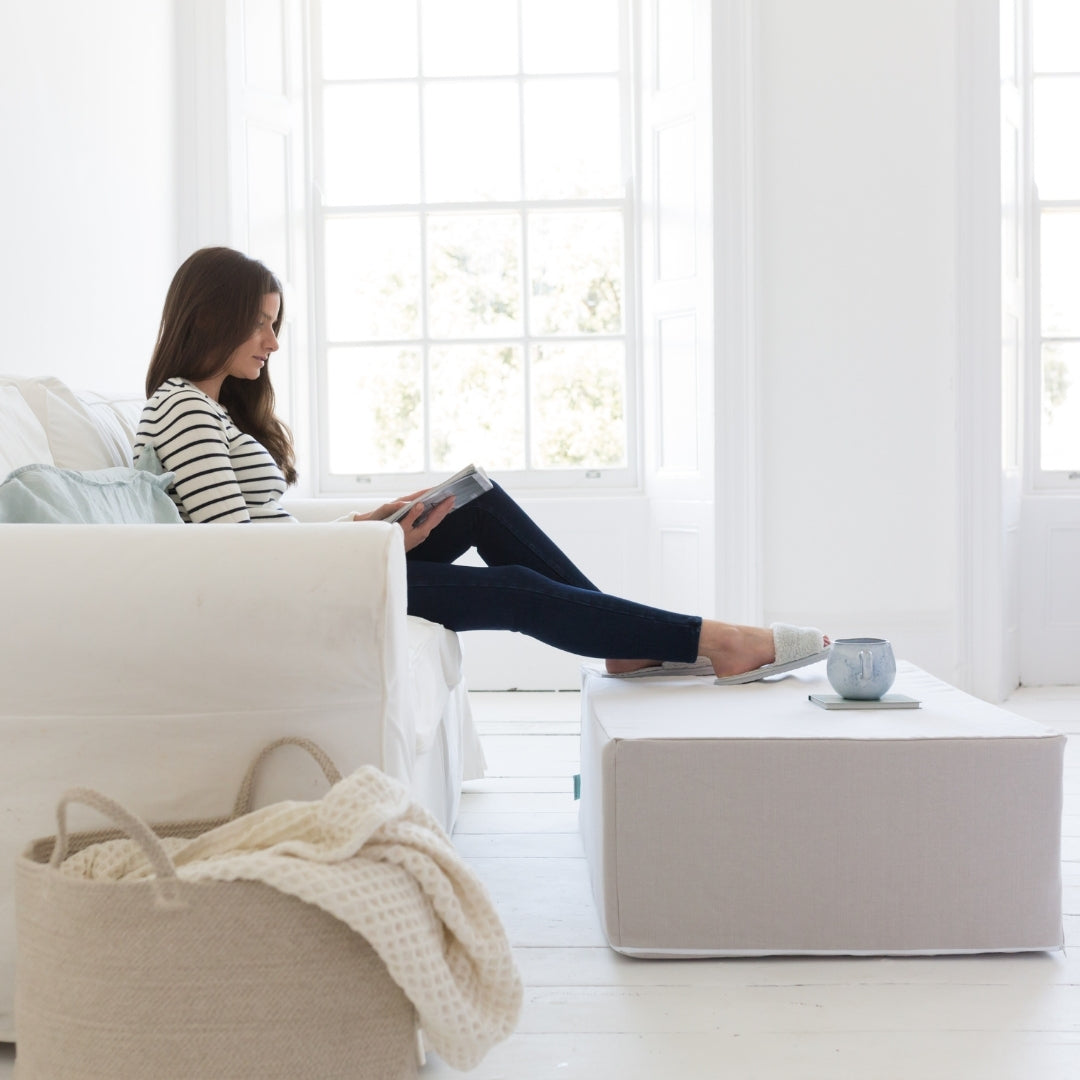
[{"x": 152, "y": 661}]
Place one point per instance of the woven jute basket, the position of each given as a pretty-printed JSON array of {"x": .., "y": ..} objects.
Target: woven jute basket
[{"x": 162, "y": 979}]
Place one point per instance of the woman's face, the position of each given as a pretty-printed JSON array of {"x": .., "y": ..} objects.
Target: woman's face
[{"x": 250, "y": 358}]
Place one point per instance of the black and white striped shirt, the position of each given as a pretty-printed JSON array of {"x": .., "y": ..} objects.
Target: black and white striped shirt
[{"x": 222, "y": 474}]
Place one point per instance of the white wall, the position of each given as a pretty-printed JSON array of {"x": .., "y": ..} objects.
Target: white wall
[
  {"x": 857, "y": 230},
  {"x": 87, "y": 186}
]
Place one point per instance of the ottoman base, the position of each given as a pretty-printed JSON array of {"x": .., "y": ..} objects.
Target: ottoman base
[{"x": 746, "y": 821}]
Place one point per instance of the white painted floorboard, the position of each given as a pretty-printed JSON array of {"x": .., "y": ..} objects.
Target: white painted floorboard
[{"x": 590, "y": 1013}]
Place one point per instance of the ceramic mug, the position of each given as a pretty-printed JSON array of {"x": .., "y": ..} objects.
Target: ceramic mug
[{"x": 861, "y": 668}]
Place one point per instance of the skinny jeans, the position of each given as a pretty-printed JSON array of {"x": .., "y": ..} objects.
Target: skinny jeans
[{"x": 531, "y": 587}]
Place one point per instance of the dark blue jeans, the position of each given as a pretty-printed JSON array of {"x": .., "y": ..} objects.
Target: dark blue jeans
[{"x": 531, "y": 587}]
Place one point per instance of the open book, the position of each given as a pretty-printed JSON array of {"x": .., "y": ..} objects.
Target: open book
[{"x": 464, "y": 486}]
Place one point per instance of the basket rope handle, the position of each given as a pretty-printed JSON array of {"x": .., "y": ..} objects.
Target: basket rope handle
[
  {"x": 247, "y": 788},
  {"x": 144, "y": 836},
  {"x": 134, "y": 826}
]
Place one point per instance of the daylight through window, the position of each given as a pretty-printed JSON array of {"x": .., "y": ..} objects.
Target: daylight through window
[
  {"x": 472, "y": 160},
  {"x": 1055, "y": 26}
]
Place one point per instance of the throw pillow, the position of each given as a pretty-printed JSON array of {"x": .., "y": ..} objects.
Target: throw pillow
[
  {"x": 22, "y": 438},
  {"x": 44, "y": 494}
]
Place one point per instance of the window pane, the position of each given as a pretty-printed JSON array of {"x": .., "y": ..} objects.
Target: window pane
[
  {"x": 576, "y": 273},
  {"x": 1057, "y": 148},
  {"x": 470, "y": 37},
  {"x": 372, "y": 278},
  {"x": 579, "y": 405},
  {"x": 570, "y": 35},
  {"x": 471, "y": 144},
  {"x": 1061, "y": 406},
  {"x": 368, "y": 39},
  {"x": 1055, "y": 26},
  {"x": 374, "y": 410},
  {"x": 474, "y": 283},
  {"x": 477, "y": 407},
  {"x": 371, "y": 144},
  {"x": 573, "y": 147},
  {"x": 457, "y": 324},
  {"x": 1060, "y": 274}
]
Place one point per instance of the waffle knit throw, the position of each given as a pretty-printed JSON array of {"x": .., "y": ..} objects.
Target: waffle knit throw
[{"x": 380, "y": 863}]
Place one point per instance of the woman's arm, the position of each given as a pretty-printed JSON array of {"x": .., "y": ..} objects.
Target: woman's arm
[{"x": 192, "y": 444}]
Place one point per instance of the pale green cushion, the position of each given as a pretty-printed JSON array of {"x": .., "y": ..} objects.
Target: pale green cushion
[
  {"x": 148, "y": 460},
  {"x": 44, "y": 494}
]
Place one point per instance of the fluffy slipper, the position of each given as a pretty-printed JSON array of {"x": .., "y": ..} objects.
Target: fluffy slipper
[
  {"x": 700, "y": 666},
  {"x": 796, "y": 646}
]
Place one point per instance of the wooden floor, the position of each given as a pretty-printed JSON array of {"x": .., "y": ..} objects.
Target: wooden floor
[{"x": 592, "y": 1015}]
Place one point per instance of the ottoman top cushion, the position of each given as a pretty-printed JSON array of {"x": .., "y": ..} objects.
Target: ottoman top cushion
[{"x": 696, "y": 708}]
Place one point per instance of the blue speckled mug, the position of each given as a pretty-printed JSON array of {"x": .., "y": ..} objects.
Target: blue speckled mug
[{"x": 861, "y": 668}]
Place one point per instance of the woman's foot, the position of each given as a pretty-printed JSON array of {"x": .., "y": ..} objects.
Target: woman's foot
[
  {"x": 736, "y": 649},
  {"x": 732, "y": 650}
]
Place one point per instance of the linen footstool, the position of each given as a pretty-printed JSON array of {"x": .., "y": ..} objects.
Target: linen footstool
[{"x": 747, "y": 821}]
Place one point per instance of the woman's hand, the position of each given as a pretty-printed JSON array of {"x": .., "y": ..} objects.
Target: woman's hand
[
  {"x": 414, "y": 534},
  {"x": 417, "y": 534}
]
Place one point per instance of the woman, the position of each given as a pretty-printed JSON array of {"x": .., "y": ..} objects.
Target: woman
[{"x": 210, "y": 420}]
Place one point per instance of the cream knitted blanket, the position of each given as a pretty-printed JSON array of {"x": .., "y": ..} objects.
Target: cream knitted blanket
[{"x": 379, "y": 862}]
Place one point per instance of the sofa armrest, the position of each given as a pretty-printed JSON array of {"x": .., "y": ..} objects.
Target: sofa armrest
[
  {"x": 152, "y": 662},
  {"x": 313, "y": 510},
  {"x": 165, "y": 621}
]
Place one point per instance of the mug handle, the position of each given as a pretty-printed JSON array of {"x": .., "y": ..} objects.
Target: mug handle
[{"x": 867, "y": 659}]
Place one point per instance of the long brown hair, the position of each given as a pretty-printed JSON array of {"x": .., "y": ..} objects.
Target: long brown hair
[{"x": 211, "y": 309}]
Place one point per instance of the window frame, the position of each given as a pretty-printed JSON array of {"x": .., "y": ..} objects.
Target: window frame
[{"x": 616, "y": 480}]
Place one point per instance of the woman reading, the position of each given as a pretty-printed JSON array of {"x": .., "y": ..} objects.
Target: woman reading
[{"x": 210, "y": 420}]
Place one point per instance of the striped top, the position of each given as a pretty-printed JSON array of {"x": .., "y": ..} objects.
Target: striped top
[{"x": 222, "y": 474}]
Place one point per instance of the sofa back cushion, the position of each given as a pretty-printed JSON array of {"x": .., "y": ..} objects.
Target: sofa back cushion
[
  {"x": 22, "y": 438},
  {"x": 116, "y": 418},
  {"x": 84, "y": 431}
]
